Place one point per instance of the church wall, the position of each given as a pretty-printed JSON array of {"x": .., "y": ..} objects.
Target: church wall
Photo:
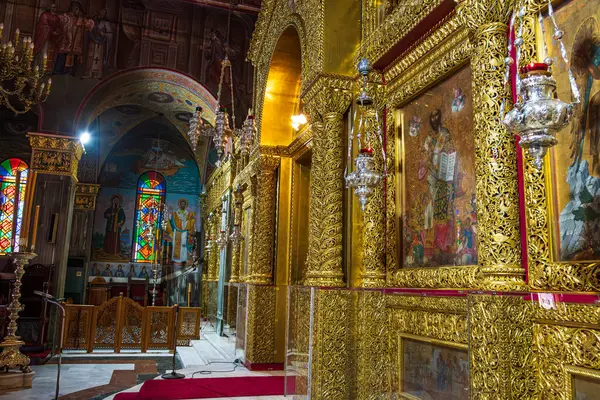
[{"x": 504, "y": 314}]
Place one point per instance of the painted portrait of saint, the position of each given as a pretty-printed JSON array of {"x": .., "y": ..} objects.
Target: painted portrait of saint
[
  {"x": 180, "y": 230},
  {"x": 438, "y": 213},
  {"x": 434, "y": 372},
  {"x": 575, "y": 160}
]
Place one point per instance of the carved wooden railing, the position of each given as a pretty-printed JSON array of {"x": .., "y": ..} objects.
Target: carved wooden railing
[{"x": 121, "y": 323}]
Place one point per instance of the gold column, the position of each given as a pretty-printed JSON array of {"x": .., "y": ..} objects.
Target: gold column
[
  {"x": 329, "y": 153},
  {"x": 499, "y": 241},
  {"x": 373, "y": 269},
  {"x": 314, "y": 220},
  {"x": 213, "y": 258},
  {"x": 260, "y": 271},
  {"x": 238, "y": 199}
]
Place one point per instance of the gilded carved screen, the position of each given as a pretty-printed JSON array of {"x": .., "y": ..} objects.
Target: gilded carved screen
[
  {"x": 575, "y": 161},
  {"x": 436, "y": 170}
]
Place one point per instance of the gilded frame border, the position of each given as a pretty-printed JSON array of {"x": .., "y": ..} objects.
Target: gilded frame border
[
  {"x": 544, "y": 273},
  {"x": 437, "y": 320},
  {"x": 566, "y": 341},
  {"x": 443, "y": 52},
  {"x": 572, "y": 371}
]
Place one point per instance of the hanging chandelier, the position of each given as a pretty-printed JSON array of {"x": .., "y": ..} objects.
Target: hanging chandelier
[
  {"x": 196, "y": 127},
  {"x": 248, "y": 133},
  {"x": 538, "y": 114},
  {"x": 21, "y": 85},
  {"x": 223, "y": 131},
  {"x": 365, "y": 178},
  {"x": 236, "y": 236}
]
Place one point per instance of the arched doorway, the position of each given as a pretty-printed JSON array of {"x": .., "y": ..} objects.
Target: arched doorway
[{"x": 282, "y": 93}]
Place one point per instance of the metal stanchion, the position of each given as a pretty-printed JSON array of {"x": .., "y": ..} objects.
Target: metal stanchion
[
  {"x": 173, "y": 374},
  {"x": 50, "y": 299}
]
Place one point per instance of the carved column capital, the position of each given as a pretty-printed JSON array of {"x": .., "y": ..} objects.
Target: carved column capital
[
  {"x": 85, "y": 196},
  {"x": 328, "y": 94},
  {"x": 476, "y": 14},
  {"x": 55, "y": 154}
]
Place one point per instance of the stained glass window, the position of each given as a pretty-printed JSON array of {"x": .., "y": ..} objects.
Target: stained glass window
[
  {"x": 13, "y": 180},
  {"x": 150, "y": 196}
]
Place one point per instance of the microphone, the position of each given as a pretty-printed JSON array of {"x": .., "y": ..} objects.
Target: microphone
[{"x": 44, "y": 295}]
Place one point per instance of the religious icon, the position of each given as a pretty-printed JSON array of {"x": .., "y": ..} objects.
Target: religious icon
[
  {"x": 115, "y": 218},
  {"x": 107, "y": 271},
  {"x": 95, "y": 270},
  {"x": 414, "y": 126},
  {"x": 73, "y": 25},
  {"x": 143, "y": 273},
  {"x": 99, "y": 44},
  {"x": 131, "y": 273},
  {"x": 434, "y": 372},
  {"x": 458, "y": 103},
  {"x": 46, "y": 36},
  {"x": 119, "y": 272},
  {"x": 181, "y": 231},
  {"x": 576, "y": 158},
  {"x": 439, "y": 177}
]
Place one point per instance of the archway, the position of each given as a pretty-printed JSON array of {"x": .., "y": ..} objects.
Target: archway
[{"x": 282, "y": 94}]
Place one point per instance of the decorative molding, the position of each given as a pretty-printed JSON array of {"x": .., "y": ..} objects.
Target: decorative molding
[
  {"x": 55, "y": 154},
  {"x": 85, "y": 196}
]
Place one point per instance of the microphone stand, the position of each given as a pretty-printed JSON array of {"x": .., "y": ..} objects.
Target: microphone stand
[
  {"x": 173, "y": 374},
  {"x": 50, "y": 299}
]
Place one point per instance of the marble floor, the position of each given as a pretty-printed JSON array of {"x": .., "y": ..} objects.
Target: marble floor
[
  {"x": 102, "y": 374},
  {"x": 73, "y": 378}
]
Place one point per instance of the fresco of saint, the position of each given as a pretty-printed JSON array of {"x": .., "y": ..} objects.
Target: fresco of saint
[
  {"x": 73, "y": 24},
  {"x": 46, "y": 36},
  {"x": 181, "y": 230},
  {"x": 98, "y": 42},
  {"x": 115, "y": 218}
]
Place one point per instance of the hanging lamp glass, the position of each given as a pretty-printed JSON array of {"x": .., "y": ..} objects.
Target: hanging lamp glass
[
  {"x": 538, "y": 114},
  {"x": 365, "y": 178}
]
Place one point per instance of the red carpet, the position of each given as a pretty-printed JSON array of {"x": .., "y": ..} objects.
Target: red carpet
[{"x": 208, "y": 388}]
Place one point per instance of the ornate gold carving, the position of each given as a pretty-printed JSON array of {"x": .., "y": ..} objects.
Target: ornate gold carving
[
  {"x": 438, "y": 320},
  {"x": 331, "y": 378},
  {"x": 501, "y": 337},
  {"x": 443, "y": 52},
  {"x": 402, "y": 18},
  {"x": 568, "y": 313},
  {"x": 85, "y": 196},
  {"x": 260, "y": 337},
  {"x": 391, "y": 234},
  {"x": 53, "y": 154},
  {"x": 214, "y": 253},
  {"x": 372, "y": 353},
  {"x": 238, "y": 199},
  {"x": 263, "y": 190},
  {"x": 563, "y": 350},
  {"x": 373, "y": 268},
  {"x": 499, "y": 237},
  {"x": 442, "y": 318},
  {"x": 313, "y": 259},
  {"x": 324, "y": 265}
]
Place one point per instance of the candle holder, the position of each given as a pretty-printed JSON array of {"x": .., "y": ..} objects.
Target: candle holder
[{"x": 11, "y": 356}]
